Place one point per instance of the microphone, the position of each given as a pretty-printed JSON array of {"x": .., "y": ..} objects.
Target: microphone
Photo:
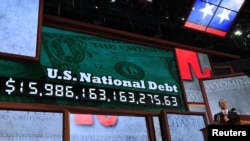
[{"x": 233, "y": 109}]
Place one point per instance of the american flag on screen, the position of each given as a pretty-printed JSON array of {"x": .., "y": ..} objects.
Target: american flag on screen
[{"x": 213, "y": 16}]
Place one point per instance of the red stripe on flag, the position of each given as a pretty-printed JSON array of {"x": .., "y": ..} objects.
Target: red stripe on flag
[{"x": 195, "y": 26}]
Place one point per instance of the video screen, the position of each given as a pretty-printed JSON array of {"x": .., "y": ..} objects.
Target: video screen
[
  {"x": 107, "y": 127},
  {"x": 30, "y": 126}
]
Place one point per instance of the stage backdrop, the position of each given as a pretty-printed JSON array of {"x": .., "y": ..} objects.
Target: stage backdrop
[
  {"x": 234, "y": 89},
  {"x": 20, "y": 26},
  {"x": 81, "y": 69}
]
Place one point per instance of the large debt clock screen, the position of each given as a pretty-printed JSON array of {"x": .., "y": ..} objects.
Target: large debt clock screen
[{"x": 94, "y": 70}]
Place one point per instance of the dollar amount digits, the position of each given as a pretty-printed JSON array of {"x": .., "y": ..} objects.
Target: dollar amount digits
[
  {"x": 145, "y": 98},
  {"x": 34, "y": 88},
  {"x": 11, "y": 86}
]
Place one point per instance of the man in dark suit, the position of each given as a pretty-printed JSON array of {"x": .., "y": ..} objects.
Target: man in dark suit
[{"x": 225, "y": 114}]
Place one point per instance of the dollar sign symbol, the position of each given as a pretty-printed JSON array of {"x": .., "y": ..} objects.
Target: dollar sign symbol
[{"x": 11, "y": 87}]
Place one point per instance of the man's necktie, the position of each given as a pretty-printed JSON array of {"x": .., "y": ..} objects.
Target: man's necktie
[{"x": 225, "y": 112}]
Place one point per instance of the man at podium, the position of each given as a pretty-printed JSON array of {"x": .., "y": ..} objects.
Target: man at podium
[{"x": 225, "y": 114}]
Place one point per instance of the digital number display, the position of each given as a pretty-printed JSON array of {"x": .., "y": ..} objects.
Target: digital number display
[{"x": 15, "y": 86}]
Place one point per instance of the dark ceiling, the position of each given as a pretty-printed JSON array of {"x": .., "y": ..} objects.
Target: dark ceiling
[{"x": 160, "y": 19}]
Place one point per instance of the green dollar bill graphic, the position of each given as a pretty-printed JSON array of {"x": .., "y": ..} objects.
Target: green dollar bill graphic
[{"x": 85, "y": 53}]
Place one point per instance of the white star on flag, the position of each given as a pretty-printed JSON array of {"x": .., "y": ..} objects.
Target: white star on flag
[
  {"x": 224, "y": 15},
  {"x": 207, "y": 10}
]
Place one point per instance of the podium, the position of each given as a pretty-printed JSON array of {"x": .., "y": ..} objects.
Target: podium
[{"x": 238, "y": 120}]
